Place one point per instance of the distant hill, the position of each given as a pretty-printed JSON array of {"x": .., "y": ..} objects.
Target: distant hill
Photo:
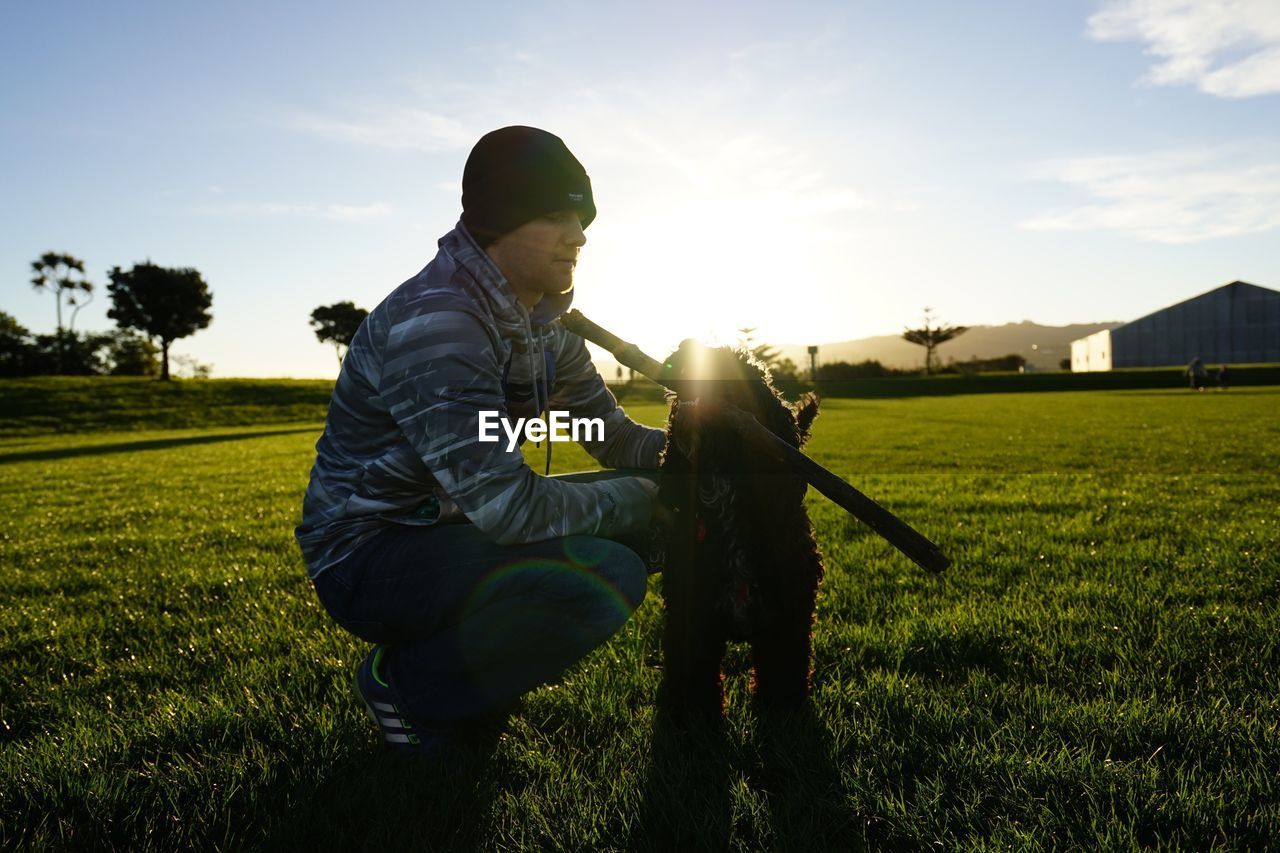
[
  {"x": 1042, "y": 346},
  {"x": 1052, "y": 344}
]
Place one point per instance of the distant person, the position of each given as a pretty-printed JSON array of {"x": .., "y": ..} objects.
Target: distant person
[
  {"x": 1224, "y": 378},
  {"x": 476, "y": 578},
  {"x": 1197, "y": 373}
]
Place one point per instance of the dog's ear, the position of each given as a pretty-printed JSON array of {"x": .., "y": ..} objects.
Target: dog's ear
[{"x": 806, "y": 411}]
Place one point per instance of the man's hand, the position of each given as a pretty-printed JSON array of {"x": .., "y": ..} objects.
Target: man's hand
[
  {"x": 658, "y": 511},
  {"x": 650, "y": 486}
]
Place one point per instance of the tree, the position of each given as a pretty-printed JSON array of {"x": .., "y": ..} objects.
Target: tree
[
  {"x": 764, "y": 353},
  {"x": 931, "y": 337},
  {"x": 118, "y": 353},
  {"x": 15, "y": 346},
  {"x": 128, "y": 354},
  {"x": 1011, "y": 363},
  {"x": 189, "y": 367},
  {"x": 337, "y": 324},
  {"x": 839, "y": 371},
  {"x": 784, "y": 370},
  {"x": 63, "y": 275},
  {"x": 24, "y": 354},
  {"x": 68, "y": 354},
  {"x": 160, "y": 302},
  {"x": 770, "y": 356}
]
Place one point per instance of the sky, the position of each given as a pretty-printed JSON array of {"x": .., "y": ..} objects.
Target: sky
[{"x": 818, "y": 171}]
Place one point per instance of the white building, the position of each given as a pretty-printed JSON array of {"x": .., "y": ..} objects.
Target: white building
[{"x": 1238, "y": 323}]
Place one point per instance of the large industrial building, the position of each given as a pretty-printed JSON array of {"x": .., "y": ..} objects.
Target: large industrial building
[{"x": 1238, "y": 323}]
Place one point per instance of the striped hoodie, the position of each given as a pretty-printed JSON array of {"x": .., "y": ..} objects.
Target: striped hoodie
[{"x": 401, "y": 442}]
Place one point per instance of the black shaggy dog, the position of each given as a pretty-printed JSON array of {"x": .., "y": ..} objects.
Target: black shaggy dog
[{"x": 739, "y": 557}]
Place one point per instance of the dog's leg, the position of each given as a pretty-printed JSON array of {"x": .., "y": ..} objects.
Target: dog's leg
[
  {"x": 698, "y": 695},
  {"x": 782, "y": 650},
  {"x": 692, "y": 649},
  {"x": 781, "y": 664}
]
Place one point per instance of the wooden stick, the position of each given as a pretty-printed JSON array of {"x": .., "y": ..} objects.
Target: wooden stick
[{"x": 901, "y": 535}]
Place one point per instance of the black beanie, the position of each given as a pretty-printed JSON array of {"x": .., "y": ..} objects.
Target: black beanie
[{"x": 516, "y": 174}]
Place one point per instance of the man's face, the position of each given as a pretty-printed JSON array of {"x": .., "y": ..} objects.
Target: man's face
[{"x": 539, "y": 257}]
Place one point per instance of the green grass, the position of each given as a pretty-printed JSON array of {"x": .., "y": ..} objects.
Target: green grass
[
  {"x": 40, "y": 405},
  {"x": 1101, "y": 668}
]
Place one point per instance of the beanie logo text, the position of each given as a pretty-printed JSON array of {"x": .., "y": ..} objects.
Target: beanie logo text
[{"x": 575, "y": 197}]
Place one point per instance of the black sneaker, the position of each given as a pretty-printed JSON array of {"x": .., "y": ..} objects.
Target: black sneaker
[{"x": 387, "y": 712}]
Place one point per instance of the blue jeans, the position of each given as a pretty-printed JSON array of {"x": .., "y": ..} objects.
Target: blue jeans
[{"x": 471, "y": 625}]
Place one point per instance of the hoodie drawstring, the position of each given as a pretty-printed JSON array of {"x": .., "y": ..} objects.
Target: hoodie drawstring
[
  {"x": 536, "y": 376},
  {"x": 546, "y": 395}
]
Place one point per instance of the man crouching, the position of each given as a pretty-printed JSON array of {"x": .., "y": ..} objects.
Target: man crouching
[{"x": 476, "y": 578}]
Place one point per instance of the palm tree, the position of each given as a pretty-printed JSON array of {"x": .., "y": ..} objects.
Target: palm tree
[
  {"x": 931, "y": 337},
  {"x": 63, "y": 274}
]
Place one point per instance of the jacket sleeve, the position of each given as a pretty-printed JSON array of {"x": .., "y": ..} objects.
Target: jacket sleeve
[
  {"x": 581, "y": 391},
  {"x": 440, "y": 371}
]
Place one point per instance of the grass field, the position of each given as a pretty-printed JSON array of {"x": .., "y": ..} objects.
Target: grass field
[{"x": 1101, "y": 668}]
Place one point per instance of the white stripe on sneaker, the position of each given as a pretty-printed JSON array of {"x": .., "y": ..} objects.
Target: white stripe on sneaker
[
  {"x": 383, "y": 706},
  {"x": 394, "y": 722},
  {"x": 397, "y": 738}
]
